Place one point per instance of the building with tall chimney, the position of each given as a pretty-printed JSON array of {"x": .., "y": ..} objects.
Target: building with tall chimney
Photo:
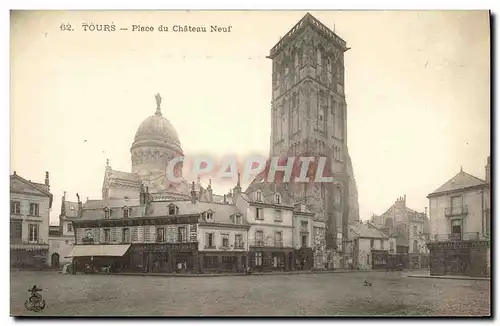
[
  {"x": 309, "y": 118},
  {"x": 460, "y": 220},
  {"x": 30, "y": 205}
]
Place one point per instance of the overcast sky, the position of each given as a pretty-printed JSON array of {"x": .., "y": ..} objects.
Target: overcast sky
[{"x": 417, "y": 88}]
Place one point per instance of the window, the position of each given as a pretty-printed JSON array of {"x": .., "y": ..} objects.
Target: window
[
  {"x": 181, "y": 234},
  {"x": 225, "y": 240},
  {"x": 259, "y": 213},
  {"x": 160, "y": 235},
  {"x": 303, "y": 239},
  {"x": 381, "y": 244},
  {"x": 391, "y": 246},
  {"x": 415, "y": 231},
  {"x": 107, "y": 235},
  {"x": 16, "y": 229},
  {"x": 33, "y": 232},
  {"x": 15, "y": 207},
  {"x": 34, "y": 209},
  {"x": 371, "y": 243},
  {"x": 210, "y": 262},
  {"x": 238, "y": 241},
  {"x": 107, "y": 213},
  {"x": 258, "y": 196},
  {"x": 69, "y": 227},
  {"x": 415, "y": 246},
  {"x": 277, "y": 198},
  {"x": 172, "y": 209},
  {"x": 259, "y": 238},
  {"x": 72, "y": 208},
  {"x": 277, "y": 216},
  {"x": 210, "y": 240},
  {"x": 456, "y": 229},
  {"x": 258, "y": 258},
  {"x": 456, "y": 204},
  {"x": 278, "y": 239},
  {"x": 237, "y": 219},
  {"x": 126, "y": 212},
  {"x": 209, "y": 216},
  {"x": 304, "y": 226},
  {"x": 126, "y": 235}
]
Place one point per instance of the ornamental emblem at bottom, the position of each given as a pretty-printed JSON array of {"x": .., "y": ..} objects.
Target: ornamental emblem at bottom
[{"x": 35, "y": 302}]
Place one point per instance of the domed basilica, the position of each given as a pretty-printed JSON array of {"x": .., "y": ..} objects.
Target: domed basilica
[{"x": 156, "y": 143}]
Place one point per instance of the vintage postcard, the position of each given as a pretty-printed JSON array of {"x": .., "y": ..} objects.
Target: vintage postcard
[{"x": 250, "y": 163}]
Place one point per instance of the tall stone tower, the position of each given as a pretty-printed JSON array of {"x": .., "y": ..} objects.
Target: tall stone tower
[{"x": 309, "y": 118}]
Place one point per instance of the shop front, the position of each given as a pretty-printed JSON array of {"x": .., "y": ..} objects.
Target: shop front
[
  {"x": 164, "y": 257},
  {"x": 28, "y": 255},
  {"x": 304, "y": 258},
  {"x": 92, "y": 258},
  {"x": 469, "y": 258},
  {"x": 271, "y": 259},
  {"x": 222, "y": 261},
  {"x": 380, "y": 259}
]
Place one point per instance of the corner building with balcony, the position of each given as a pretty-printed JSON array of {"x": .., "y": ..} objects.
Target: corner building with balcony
[
  {"x": 461, "y": 226},
  {"x": 30, "y": 205}
]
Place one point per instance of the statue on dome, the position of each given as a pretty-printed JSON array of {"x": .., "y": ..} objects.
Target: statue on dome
[{"x": 158, "y": 100}]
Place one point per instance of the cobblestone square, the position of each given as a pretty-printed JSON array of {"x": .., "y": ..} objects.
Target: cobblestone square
[{"x": 335, "y": 294}]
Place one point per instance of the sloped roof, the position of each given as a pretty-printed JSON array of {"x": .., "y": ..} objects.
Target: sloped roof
[
  {"x": 110, "y": 203},
  {"x": 460, "y": 181},
  {"x": 124, "y": 175},
  {"x": 221, "y": 212},
  {"x": 364, "y": 231},
  {"x": 36, "y": 186}
]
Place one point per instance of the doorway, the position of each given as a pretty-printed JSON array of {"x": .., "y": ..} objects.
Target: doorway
[{"x": 55, "y": 260}]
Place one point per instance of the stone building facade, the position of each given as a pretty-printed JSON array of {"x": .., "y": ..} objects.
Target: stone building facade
[
  {"x": 411, "y": 227},
  {"x": 461, "y": 226},
  {"x": 30, "y": 205},
  {"x": 309, "y": 118}
]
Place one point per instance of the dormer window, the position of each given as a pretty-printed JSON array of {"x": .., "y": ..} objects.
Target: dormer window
[
  {"x": 107, "y": 213},
  {"x": 126, "y": 212},
  {"x": 258, "y": 196},
  {"x": 172, "y": 209},
  {"x": 277, "y": 198},
  {"x": 209, "y": 216},
  {"x": 237, "y": 219}
]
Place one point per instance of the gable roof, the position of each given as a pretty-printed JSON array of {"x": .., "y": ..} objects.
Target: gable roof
[
  {"x": 364, "y": 231},
  {"x": 460, "y": 181},
  {"x": 35, "y": 186}
]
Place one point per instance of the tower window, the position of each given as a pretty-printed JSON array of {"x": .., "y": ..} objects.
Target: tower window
[
  {"x": 277, "y": 198},
  {"x": 126, "y": 212},
  {"x": 107, "y": 213}
]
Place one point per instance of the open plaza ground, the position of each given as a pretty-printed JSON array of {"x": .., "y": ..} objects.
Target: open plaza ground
[{"x": 332, "y": 294}]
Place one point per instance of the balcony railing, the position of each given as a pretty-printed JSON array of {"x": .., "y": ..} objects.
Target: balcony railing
[
  {"x": 456, "y": 211},
  {"x": 268, "y": 243},
  {"x": 468, "y": 236}
]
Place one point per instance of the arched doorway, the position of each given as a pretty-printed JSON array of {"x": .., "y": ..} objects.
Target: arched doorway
[{"x": 55, "y": 260}]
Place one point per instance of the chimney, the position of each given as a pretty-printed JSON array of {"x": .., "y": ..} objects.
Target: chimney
[
  {"x": 488, "y": 170},
  {"x": 404, "y": 200},
  {"x": 193, "y": 193},
  {"x": 225, "y": 200},
  {"x": 47, "y": 181},
  {"x": 80, "y": 206},
  {"x": 237, "y": 189},
  {"x": 210, "y": 191}
]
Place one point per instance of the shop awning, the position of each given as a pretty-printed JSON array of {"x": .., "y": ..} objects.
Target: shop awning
[{"x": 99, "y": 250}]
